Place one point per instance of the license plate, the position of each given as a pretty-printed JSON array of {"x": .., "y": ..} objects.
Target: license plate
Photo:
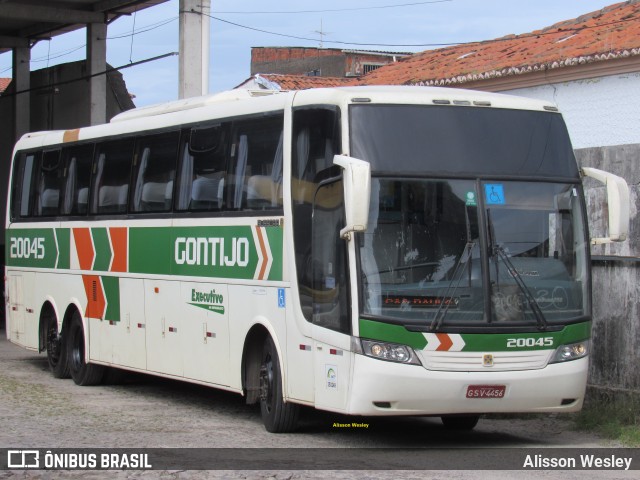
[{"x": 486, "y": 391}]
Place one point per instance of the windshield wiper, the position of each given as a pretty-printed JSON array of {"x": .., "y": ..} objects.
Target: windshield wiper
[
  {"x": 498, "y": 251},
  {"x": 447, "y": 298},
  {"x": 437, "y": 319}
]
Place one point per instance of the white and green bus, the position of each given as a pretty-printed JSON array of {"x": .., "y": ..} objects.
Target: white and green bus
[{"x": 368, "y": 251}]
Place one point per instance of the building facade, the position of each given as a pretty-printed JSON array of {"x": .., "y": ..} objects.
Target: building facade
[{"x": 319, "y": 62}]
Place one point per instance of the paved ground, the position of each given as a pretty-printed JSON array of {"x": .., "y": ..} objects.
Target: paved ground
[{"x": 39, "y": 411}]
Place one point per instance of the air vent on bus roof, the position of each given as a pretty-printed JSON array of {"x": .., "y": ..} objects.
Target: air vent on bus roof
[{"x": 189, "y": 103}]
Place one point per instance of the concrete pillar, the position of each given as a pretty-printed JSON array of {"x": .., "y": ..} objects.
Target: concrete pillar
[
  {"x": 22, "y": 82},
  {"x": 97, "y": 63},
  {"x": 194, "y": 48}
]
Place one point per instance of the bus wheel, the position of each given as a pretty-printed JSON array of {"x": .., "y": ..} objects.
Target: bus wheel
[
  {"x": 83, "y": 373},
  {"x": 55, "y": 345},
  {"x": 278, "y": 416},
  {"x": 460, "y": 422}
]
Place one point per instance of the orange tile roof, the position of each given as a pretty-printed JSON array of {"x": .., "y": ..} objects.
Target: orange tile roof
[
  {"x": 302, "y": 82},
  {"x": 610, "y": 33},
  {"x": 4, "y": 83}
]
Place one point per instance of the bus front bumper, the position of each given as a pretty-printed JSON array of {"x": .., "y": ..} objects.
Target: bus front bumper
[{"x": 386, "y": 388}]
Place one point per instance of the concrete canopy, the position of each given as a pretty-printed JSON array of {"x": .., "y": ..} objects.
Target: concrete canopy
[{"x": 25, "y": 22}]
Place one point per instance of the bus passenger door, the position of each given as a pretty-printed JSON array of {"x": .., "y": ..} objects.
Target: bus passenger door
[
  {"x": 206, "y": 332},
  {"x": 330, "y": 298},
  {"x": 164, "y": 327}
]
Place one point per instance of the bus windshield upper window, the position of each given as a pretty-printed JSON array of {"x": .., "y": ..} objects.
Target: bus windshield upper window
[{"x": 414, "y": 139}]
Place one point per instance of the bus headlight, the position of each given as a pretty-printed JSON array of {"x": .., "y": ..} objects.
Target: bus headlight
[
  {"x": 572, "y": 351},
  {"x": 391, "y": 352}
]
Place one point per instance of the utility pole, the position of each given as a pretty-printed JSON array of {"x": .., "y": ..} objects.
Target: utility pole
[{"x": 194, "y": 48}]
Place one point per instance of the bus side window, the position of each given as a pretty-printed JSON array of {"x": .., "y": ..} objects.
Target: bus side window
[
  {"x": 77, "y": 161},
  {"x": 203, "y": 168},
  {"x": 154, "y": 171},
  {"x": 111, "y": 174},
  {"x": 23, "y": 183},
  {"x": 48, "y": 185},
  {"x": 256, "y": 167}
]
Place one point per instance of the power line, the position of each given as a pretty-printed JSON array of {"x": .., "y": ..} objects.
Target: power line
[
  {"x": 148, "y": 28},
  {"x": 59, "y": 54},
  {"x": 326, "y": 41},
  {"x": 71, "y": 50},
  {"x": 286, "y": 12},
  {"x": 87, "y": 77},
  {"x": 339, "y": 42}
]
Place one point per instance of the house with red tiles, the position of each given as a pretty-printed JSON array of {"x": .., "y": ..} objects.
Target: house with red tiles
[
  {"x": 589, "y": 66},
  {"x": 4, "y": 83},
  {"x": 274, "y": 81}
]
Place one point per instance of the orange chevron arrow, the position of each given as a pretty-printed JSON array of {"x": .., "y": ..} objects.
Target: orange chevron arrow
[
  {"x": 84, "y": 247},
  {"x": 118, "y": 237},
  {"x": 445, "y": 342},
  {"x": 96, "y": 302}
]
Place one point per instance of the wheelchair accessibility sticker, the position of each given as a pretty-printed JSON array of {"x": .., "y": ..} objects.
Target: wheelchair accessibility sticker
[{"x": 494, "y": 194}]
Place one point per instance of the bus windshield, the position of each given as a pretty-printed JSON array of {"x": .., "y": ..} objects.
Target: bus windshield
[
  {"x": 441, "y": 251},
  {"x": 423, "y": 261}
]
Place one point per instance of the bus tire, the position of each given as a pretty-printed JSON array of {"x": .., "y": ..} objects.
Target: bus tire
[
  {"x": 278, "y": 416},
  {"x": 55, "y": 346},
  {"x": 82, "y": 373},
  {"x": 460, "y": 422}
]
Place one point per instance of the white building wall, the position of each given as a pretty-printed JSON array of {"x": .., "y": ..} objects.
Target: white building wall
[
  {"x": 599, "y": 112},
  {"x": 603, "y": 118}
]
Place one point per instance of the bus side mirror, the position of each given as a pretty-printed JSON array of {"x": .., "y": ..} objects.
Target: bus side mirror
[
  {"x": 618, "y": 202},
  {"x": 357, "y": 191}
]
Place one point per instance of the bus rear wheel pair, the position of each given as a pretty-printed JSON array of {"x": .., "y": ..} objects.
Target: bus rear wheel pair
[
  {"x": 82, "y": 373},
  {"x": 66, "y": 351},
  {"x": 55, "y": 346}
]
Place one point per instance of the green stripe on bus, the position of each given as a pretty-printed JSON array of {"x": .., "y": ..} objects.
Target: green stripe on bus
[
  {"x": 480, "y": 342},
  {"x": 213, "y": 251},
  {"x": 216, "y": 251},
  {"x": 27, "y": 247},
  {"x": 391, "y": 333},
  {"x": 63, "y": 237},
  {"x": 150, "y": 250},
  {"x": 534, "y": 341},
  {"x": 274, "y": 234},
  {"x": 102, "y": 248},
  {"x": 111, "y": 286}
]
